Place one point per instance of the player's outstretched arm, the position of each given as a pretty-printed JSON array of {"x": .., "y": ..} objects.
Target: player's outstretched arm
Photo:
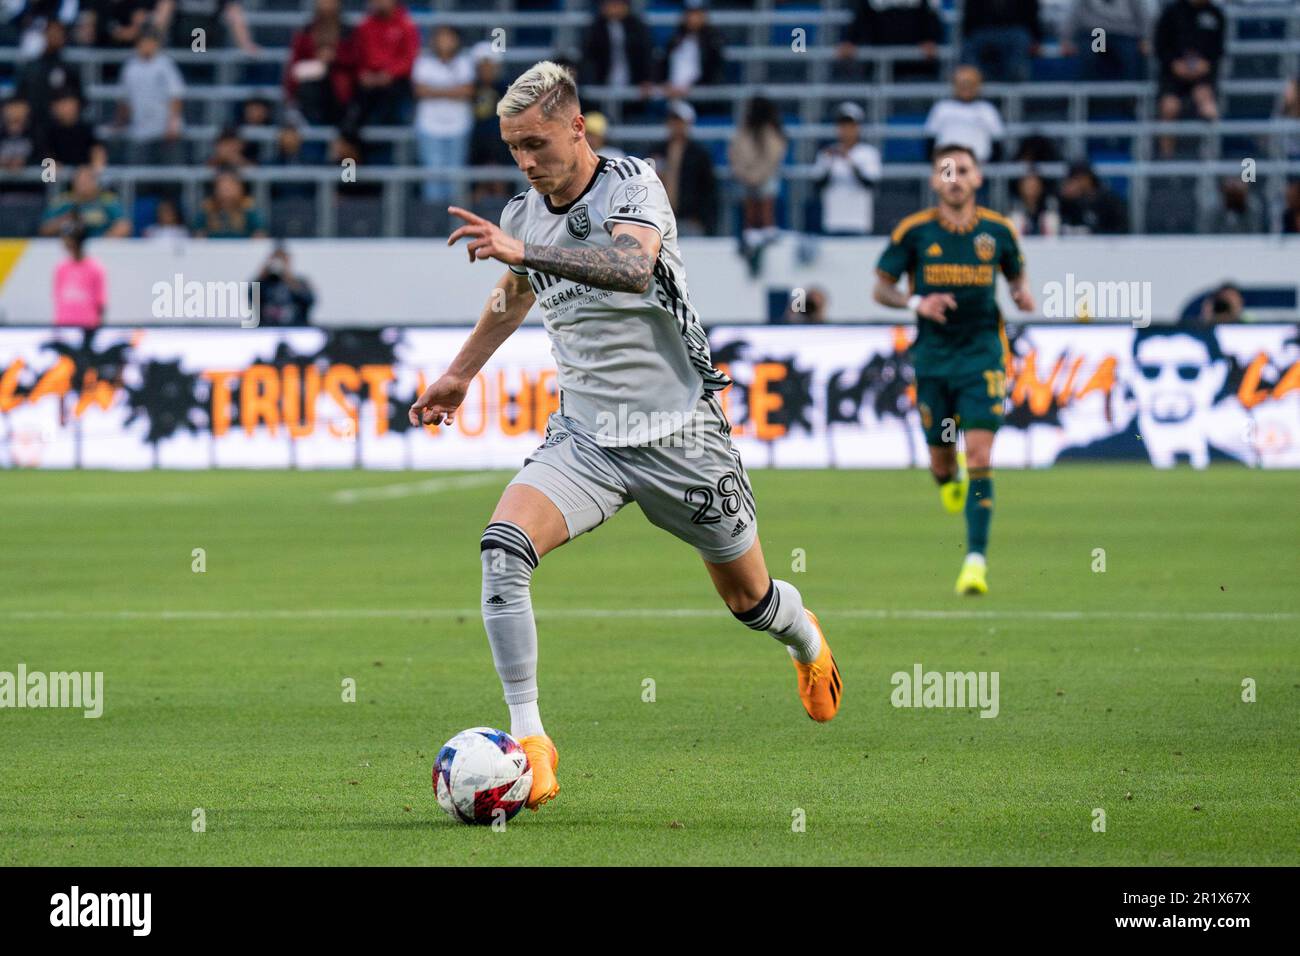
[
  {"x": 930, "y": 306},
  {"x": 627, "y": 266},
  {"x": 510, "y": 301}
]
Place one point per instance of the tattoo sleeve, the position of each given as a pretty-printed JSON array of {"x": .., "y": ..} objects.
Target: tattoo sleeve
[{"x": 623, "y": 268}]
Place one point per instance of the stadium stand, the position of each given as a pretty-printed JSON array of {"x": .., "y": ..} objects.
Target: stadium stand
[{"x": 787, "y": 52}]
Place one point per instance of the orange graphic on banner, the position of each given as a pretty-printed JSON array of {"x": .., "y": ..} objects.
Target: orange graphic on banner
[
  {"x": 298, "y": 400},
  {"x": 763, "y": 403},
  {"x": 259, "y": 399},
  {"x": 1250, "y": 394},
  {"x": 521, "y": 402},
  {"x": 1028, "y": 388},
  {"x": 94, "y": 391},
  {"x": 338, "y": 378}
]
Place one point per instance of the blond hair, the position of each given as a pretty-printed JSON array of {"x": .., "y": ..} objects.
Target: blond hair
[{"x": 546, "y": 83}]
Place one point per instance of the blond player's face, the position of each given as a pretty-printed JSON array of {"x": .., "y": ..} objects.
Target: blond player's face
[
  {"x": 545, "y": 150},
  {"x": 956, "y": 179}
]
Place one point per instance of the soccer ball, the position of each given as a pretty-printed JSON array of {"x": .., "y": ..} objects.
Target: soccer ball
[{"x": 481, "y": 771}]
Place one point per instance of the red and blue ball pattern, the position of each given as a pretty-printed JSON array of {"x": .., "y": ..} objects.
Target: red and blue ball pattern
[{"x": 482, "y": 776}]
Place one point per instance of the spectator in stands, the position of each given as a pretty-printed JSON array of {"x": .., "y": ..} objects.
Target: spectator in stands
[
  {"x": 1088, "y": 207},
  {"x": 286, "y": 298},
  {"x": 1121, "y": 51},
  {"x": 229, "y": 152},
  {"x": 1225, "y": 306},
  {"x": 69, "y": 140},
  {"x": 289, "y": 146},
  {"x": 847, "y": 173},
  {"x": 80, "y": 284},
  {"x": 96, "y": 210},
  {"x": 892, "y": 23},
  {"x": 48, "y": 76},
  {"x": 321, "y": 75},
  {"x": 964, "y": 119},
  {"x": 486, "y": 148},
  {"x": 617, "y": 51},
  {"x": 27, "y": 23},
  {"x": 387, "y": 43},
  {"x": 1241, "y": 210},
  {"x": 1189, "y": 46},
  {"x": 1036, "y": 148},
  {"x": 292, "y": 150},
  {"x": 115, "y": 23},
  {"x": 686, "y": 170},
  {"x": 1001, "y": 37},
  {"x": 179, "y": 19},
  {"x": 443, "y": 80},
  {"x": 597, "y": 126},
  {"x": 20, "y": 145},
  {"x": 1034, "y": 210},
  {"x": 152, "y": 105},
  {"x": 694, "y": 53},
  {"x": 1289, "y": 109},
  {"x": 229, "y": 213},
  {"x": 347, "y": 147},
  {"x": 168, "y": 223},
  {"x": 1291, "y": 212},
  {"x": 755, "y": 154},
  {"x": 255, "y": 111}
]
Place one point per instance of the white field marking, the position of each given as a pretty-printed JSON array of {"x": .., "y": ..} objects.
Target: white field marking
[
  {"x": 898, "y": 614},
  {"x": 103, "y": 498},
  {"x": 406, "y": 489}
]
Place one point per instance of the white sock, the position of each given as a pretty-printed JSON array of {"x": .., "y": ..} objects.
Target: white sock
[
  {"x": 976, "y": 558},
  {"x": 525, "y": 719},
  {"x": 781, "y": 614}
]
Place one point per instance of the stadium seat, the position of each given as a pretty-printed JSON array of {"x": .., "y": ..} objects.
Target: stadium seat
[{"x": 293, "y": 218}]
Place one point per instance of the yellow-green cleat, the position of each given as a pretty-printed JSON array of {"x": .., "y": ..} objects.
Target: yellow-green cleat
[
  {"x": 953, "y": 493},
  {"x": 972, "y": 579}
]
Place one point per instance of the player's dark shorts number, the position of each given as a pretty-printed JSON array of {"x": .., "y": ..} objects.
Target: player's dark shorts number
[{"x": 973, "y": 401}]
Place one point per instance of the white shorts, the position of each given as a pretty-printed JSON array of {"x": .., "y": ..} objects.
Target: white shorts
[{"x": 691, "y": 483}]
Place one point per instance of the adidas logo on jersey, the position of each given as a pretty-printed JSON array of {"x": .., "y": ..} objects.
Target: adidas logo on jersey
[
  {"x": 934, "y": 250},
  {"x": 740, "y": 526}
]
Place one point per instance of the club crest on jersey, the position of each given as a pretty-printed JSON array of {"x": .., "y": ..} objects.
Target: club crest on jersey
[
  {"x": 579, "y": 223},
  {"x": 985, "y": 246}
]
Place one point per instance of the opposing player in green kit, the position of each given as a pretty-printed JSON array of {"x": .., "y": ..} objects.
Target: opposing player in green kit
[{"x": 951, "y": 254}]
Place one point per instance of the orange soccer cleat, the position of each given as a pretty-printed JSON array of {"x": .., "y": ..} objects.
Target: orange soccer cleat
[
  {"x": 820, "y": 687},
  {"x": 543, "y": 758}
]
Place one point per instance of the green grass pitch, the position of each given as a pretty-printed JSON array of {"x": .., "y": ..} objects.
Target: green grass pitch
[{"x": 1119, "y": 690}]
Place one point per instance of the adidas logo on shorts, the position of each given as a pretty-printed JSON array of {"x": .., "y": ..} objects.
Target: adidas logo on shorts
[
  {"x": 496, "y": 599},
  {"x": 740, "y": 526}
]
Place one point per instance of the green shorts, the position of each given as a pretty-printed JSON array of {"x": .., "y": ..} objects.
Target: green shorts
[{"x": 959, "y": 403}]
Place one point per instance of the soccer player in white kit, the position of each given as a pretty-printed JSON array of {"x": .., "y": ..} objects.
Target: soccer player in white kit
[{"x": 594, "y": 241}]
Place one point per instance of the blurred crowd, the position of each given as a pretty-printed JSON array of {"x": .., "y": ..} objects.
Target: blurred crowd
[{"x": 381, "y": 72}]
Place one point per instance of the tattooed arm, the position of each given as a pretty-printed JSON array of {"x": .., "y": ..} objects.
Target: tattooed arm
[{"x": 626, "y": 267}]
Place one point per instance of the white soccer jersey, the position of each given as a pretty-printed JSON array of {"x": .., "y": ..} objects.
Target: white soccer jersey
[{"x": 632, "y": 367}]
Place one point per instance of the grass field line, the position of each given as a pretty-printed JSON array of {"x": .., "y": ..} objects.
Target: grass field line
[
  {"x": 899, "y": 614},
  {"x": 406, "y": 489}
]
